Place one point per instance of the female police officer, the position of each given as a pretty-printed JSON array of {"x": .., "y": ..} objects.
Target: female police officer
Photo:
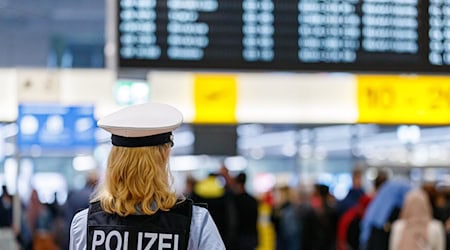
[{"x": 134, "y": 207}]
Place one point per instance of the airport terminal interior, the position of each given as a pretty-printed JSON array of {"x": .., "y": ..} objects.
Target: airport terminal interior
[{"x": 292, "y": 93}]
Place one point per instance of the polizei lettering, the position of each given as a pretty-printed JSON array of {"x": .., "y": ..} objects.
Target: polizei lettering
[{"x": 124, "y": 240}]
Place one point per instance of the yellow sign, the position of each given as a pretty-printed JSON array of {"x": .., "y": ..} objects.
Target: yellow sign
[
  {"x": 404, "y": 99},
  {"x": 215, "y": 98}
]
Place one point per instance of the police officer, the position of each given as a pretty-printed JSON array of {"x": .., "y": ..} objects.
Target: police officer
[{"x": 134, "y": 206}]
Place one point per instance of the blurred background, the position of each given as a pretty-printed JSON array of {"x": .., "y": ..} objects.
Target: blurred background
[{"x": 64, "y": 64}]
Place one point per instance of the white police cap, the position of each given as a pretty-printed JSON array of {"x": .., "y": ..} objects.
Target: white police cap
[{"x": 142, "y": 125}]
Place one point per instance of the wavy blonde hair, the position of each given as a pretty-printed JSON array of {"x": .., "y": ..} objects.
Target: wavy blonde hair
[{"x": 136, "y": 181}]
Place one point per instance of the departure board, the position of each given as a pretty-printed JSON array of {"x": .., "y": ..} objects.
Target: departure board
[{"x": 301, "y": 35}]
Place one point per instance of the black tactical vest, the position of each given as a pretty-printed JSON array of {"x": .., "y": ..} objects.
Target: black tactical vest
[{"x": 163, "y": 230}]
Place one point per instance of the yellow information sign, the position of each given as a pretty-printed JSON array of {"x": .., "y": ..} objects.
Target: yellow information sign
[
  {"x": 404, "y": 99},
  {"x": 215, "y": 98}
]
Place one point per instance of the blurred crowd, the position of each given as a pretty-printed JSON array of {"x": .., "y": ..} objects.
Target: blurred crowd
[
  {"x": 43, "y": 226},
  {"x": 393, "y": 214}
]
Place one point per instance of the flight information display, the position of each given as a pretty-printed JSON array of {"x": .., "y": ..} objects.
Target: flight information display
[{"x": 301, "y": 35}]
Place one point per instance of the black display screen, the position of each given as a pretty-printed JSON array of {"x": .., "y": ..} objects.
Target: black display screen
[{"x": 302, "y": 35}]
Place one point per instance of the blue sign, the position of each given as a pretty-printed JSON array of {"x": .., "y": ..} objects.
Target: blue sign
[{"x": 56, "y": 127}]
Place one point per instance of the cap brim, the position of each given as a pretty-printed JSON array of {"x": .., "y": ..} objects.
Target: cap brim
[{"x": 142, "y": 120}]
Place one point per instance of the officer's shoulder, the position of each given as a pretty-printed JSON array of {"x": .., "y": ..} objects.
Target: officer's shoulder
[
  {"x": 185, "y": 206},
  {"x": 192, "y": 203},
  {"x": 202, "y": 205},
  {"x": 79, "y": 217},
  {"x": 81, "y": 211}
]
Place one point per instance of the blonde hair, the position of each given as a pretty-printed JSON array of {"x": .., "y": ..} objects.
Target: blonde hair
[{"x": 136, "y": 181}]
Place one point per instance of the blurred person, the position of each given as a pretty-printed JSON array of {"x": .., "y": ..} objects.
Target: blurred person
[
  {"x": 303, "y": 221},
  {"x": 213, "y": 192},
  {"x": 309, "y": 232},
  {"x": 59, "y": 224},
  {"x": 225, "y": 174},
  {"x": 382, "y": 177},
  {"x": 40, "y": 223},
  {"x": 78, "y": 200},
  {"x": 7, "y": 234},
  {"x": 354, "y": 194},
  {"x": 247, "y": 215},
  {"x": 189, "y": 186},
  {"x": 440, "y": 206},
  {"x": 447, "y": 233},
  {"x": 416, "y": 229},
  {"x": 381, "y": 212},
  {"x": 285, "y": 220},
  {"x": 430, "y": 188},
  {"x": 438, "y": 200},
  {"x": 134, "y": 206},
  {"x": 442, "y": 209},
  {"x": 6, "y": 208},
  {"x": 349, "y": 229},
  {"x": 324, "y": 205}
]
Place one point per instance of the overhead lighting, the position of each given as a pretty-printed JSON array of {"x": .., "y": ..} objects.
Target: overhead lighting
[
  {"x": 9, "y": 130},
  {"x": 320, "y": 153},
  {"x": 84, "y": 163},
  {"x": 305, "y": 151},
  {"x": 185, "y": 163},
  {"x": 10, "y": 174},
  {"x": 268, "y": 139},
  {"x": 264, "y": 182},
  {"x": 257, "y": 153},
  {"x": 184, "y": 138},
  {"x": 48, "y": 184},
  {"x": 289, "y": 150},
  {"x": 408, "y": 134},
  {"x": 236, "y": 163},
  {"x": 129, "y": 92}
]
